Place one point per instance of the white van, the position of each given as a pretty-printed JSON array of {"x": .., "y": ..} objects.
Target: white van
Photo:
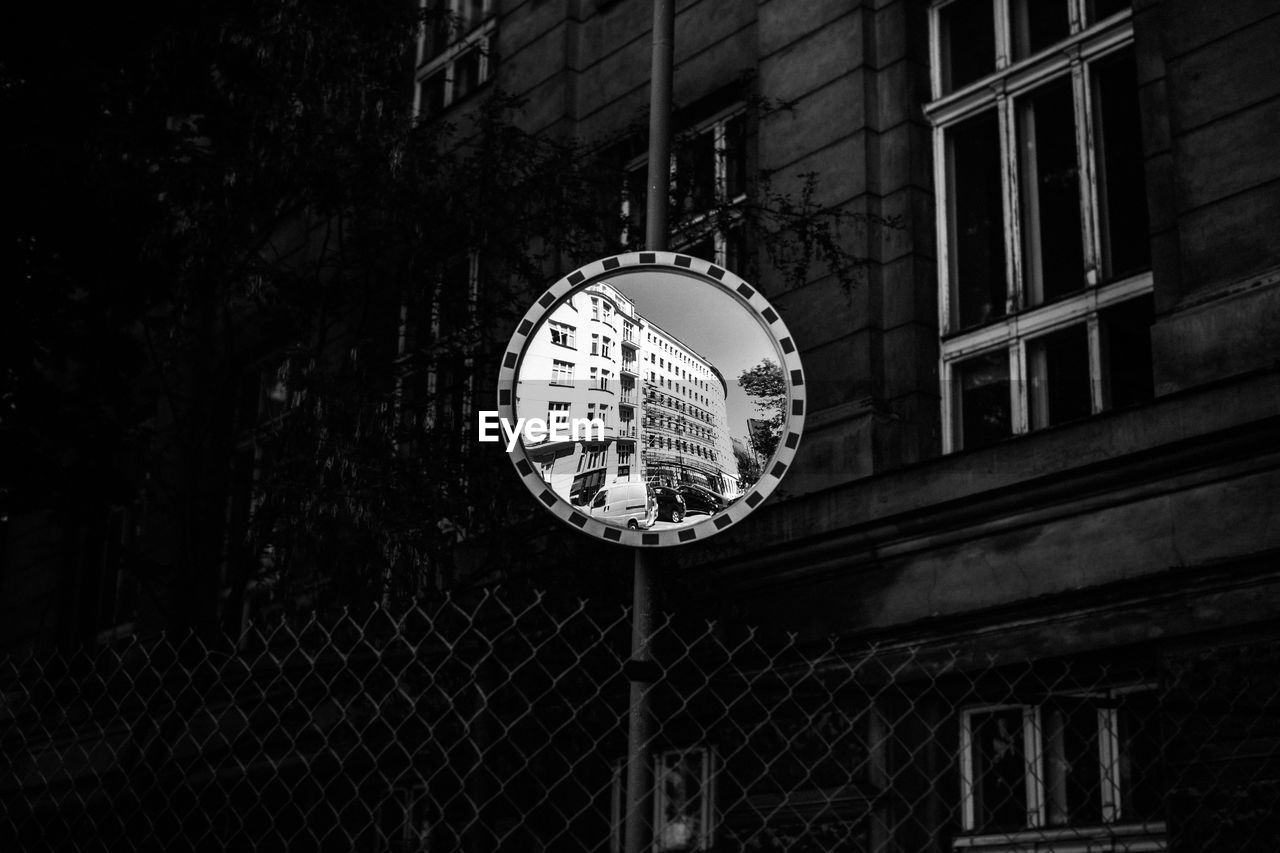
[{"x": 631, "y": 505}]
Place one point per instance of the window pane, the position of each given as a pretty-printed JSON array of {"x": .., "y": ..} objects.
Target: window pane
[
  {"x": 968, "y": 42},
  {"x": 1037, "y": 24},
  {"x": 455, "y": 295},
  {"x": 704, "y": 248},
  {"x": 977, "y": 220},
  {"x": 680, "y": 790},
  {"x": 472, "y": 14},
  {"x": 1053, "y": 251},
  {"x": 1058, "y": 369},
  {"x": 1099, "y": 9},
  {"x": 1141, "y": 787},
  {"x": 1073, "y": 792},
  {"x": 735, "y": 157},
  {"x": 1126, "y": 351},
  {"x": 438, "y": 28},
  {"x": 1122, "y": 189},
  {"x": 999, "y": 770},
  {"x": 695, "y": 185},
  {"x": 735, "y": 248},
  {"x": 983, "y": 384},
  {"x": 431, "y": 100},
  {"x": 466, "y": 73},
  {"x": 637, "y": 187}
]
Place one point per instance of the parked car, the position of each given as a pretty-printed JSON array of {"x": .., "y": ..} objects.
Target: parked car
[
  {"x": 701, "y": 499},
  {"x": 631, "y": 505},
  {"x": 670, "y": 504}
]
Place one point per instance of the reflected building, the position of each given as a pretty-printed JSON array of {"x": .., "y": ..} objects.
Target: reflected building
[
  {"x": 657, "y": 407},
  {"x": 686, "y": 420}
]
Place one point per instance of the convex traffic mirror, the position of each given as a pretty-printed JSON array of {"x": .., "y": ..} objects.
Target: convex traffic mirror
[{"x": 650, "y": 399}]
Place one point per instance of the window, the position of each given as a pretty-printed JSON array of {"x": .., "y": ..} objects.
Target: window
[
  {"x": 447, "y": 328},
  {"x": 453, "y": 52},
  {"x": 683, "y": 801},
  {"x": 558, "y": 417},
  {"x": 561, "y": 373},
  {"x": 708, "y": 171},
  {"x": 405, "y": 820},
  {"x": 563, "y": 334},
  {"x": 1074, "y": 760},
  {"x": 1045, "y": 304},
  {"x": 109, "y": 582}
]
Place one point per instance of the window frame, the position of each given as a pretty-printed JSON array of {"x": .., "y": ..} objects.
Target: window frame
[
  {"x": 114, "y": 608},
  {"x": 1074, "y": 59},
  {"x": 701, "y": 222},
  {"x": 560, "y": 376},
  {"x": 479, "y": 38},
  {"x": 411, "y": 804},
  {"x": 1035, "y": 755},
  {"x": 708, "y": 811},
  {"x": 568, "y": 334},
  {"x": 436, "y": 408}
]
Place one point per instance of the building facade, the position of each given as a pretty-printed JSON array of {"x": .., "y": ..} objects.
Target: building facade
[
  {"x": 1041, "y": 422},
  {"x": 1042, "y": 416},
  {"x": 660, "y": 406}
]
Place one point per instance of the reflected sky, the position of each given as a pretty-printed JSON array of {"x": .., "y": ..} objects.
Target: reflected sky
[{"x": 712, "y": 322}]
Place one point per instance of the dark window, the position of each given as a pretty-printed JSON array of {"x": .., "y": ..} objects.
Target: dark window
[
  {"x": 984, "y": 399},
  {"x": 999, "y": 770},
  {"x": 1099, "y": 9},
  {"x": 705, "y": 248},
  {"x": 695, "y": 178},
  {"x": 439, "y": 29},
  {"x": 1058, "y": 370},
  {"x": 968, "y": 42},
  {"x": 1073, "y": 792},
  {"x": 736, "y": 252},
  {"x": 1034, "y": 31},
  {"x": 466, "y": 73},
  {"x": 472, "y": 15},
  {"x": 637, "y": 188},
  {"x": 1141, "y": 785},
  {"x": 735, "y": 156},
  {"x": 1126, "y": 348},
  {"x": 433, "y": 91},
  {"x": 1126, "y": 243},
  {"x": 1053, "y": 250},
  {"x": 978, "y": 220}
]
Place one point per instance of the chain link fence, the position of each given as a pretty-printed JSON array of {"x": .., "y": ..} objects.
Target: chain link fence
[{"x": 500, "y": 724}]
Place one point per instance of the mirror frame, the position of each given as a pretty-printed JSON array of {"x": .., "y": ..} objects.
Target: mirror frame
[{"x": 706, "y": 273}]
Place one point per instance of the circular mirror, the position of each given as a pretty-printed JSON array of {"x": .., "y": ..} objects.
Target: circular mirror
[{"x": 651, "y": 399}]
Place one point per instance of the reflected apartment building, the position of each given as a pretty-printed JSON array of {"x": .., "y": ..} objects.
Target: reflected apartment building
[{"x": 662, "y": 407}]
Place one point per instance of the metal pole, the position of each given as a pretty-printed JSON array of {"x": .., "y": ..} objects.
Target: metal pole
[
  {"x": 655, "y": 226},
  {"x": 639, "y": 828}
]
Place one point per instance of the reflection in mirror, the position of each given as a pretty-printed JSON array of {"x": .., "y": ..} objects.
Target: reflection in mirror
[{"x": 661, "y": 396}]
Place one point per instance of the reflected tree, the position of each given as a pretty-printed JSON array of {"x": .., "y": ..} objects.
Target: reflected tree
[{"x": 767, "y": 388}]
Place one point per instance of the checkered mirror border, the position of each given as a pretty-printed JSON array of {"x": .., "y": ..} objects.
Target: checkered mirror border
[{"x": 708, "y": 274}]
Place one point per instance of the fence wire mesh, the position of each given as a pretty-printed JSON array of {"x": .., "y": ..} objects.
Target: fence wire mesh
[{"x": 500, "y": 724}]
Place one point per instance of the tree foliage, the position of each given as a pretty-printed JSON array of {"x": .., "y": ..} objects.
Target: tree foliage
[
  {"x": 246, "y": 278},
  {"x": 766, "y": 385}
]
